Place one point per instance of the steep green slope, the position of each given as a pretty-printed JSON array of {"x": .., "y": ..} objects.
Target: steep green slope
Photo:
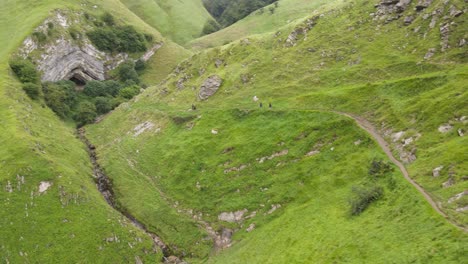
[
  {"x": 261, "y": 22},
  {"x": 51, "y": 208},
  {"x": 190, "y": 164},
  {"x": 181, "y": 21}
]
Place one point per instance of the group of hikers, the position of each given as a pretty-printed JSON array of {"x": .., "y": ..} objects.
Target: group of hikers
[{"x": 194, "y": 107}]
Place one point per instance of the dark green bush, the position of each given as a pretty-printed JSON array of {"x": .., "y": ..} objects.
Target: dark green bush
[
  {"x": 25, "y": 70},
  {"x": 362, "y": 197},
  {"x": 126, "y": 71},
  {"x": 108, "y": 18},
  {"x": 60, "y": 97},
  {"x": 129, "y": 92},
  {"x": 140, "y": 65},
  {"x": 102, "y": 88},
  {"x": 39, "y": 36},
  {"x": 85, "y": 113},
  {"x": 103, "y": 104},
  {"x": 32, "y": 90},
  {"x": 379, "y": 168},
  {"x": 118, "y": 39}
]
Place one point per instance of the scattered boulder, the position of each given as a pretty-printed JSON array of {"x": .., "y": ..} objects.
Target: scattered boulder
[
  {"x": 274, "y": 155},
  {"x": 458, "y": 196},
  {"x": 408, "y": 20},
  {"x": 210, "y": 86},
  {"x": 436, "y": 171},
  {"x": 396, "y": 136},
  {"x": 219, "y": 63},
  {"x": 44, "y": 186},
  {"x": 301, "y": 30},
  {"x": 462, "y": 209},
  {"x": 454, "y": 12},
  {"x": 232, "y": 217},
  {"x": 461, "y": 133},
  {"x": 250, "y": 228},
  {"x": 448, "y": 183},
  {"x": 274, "y": 207},
  {"x": 139, "y": 129},
  {"x": 214, "y": 131},
  {"x": 429, "y": 53},
  {"x": 445, "y": 128},
  {"x": 462, "y": 43},
  {"x": 444, "y": 36},
  {"x": 423, "y": 4}
]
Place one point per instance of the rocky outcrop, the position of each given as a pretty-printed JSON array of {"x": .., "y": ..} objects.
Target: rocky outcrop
[
  {"x": 67, "y": 58},
  {"x": 209, "y": 87},
  {"x": 301, "y": 30},
  {"x": 64, "y": 60}
]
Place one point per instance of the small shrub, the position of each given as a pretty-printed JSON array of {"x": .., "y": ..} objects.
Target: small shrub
[
  {"x": 39, "y": 36},
  {"x": 149, "y": 37},
  {"x": 118, "y": 39},
  {"x": 85, "y": 113},
  {"x": 50, "y": 25},
  {"x": 126, "y": 71},
  {"x": 362, "y": 197},
  {"x": 379, "y": 168},
  {"x": 103, "y": 105},
  {"x": 108, "y": 18},
  {"x": 87, "y": 16},
  {"x": 60, "y": 97},
  {"x": 129, "y": 92},
  {"x": 140, "y": 65},
  {"x": 25, "y": 71},
  {"x": 32, "y": 90}
]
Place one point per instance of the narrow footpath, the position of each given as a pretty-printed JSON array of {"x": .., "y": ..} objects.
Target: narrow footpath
[{"x": 369, "y": 128}]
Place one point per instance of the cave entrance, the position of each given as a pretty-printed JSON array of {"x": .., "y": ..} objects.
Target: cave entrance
[{"x": 78, "y": 81}]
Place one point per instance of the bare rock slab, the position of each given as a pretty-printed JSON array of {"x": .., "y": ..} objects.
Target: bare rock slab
[{"x": 209, "y": 87}]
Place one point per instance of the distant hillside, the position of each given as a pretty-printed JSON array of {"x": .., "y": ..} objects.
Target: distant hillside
[
  {"x": 227, "y": 12},
  {"x": 287, "y": 11},
  {"x": 181, "y": 20}
]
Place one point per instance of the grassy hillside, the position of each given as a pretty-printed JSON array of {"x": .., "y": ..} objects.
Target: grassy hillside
[
  {"x": 287, "y": 12},
  {"x": 69, "y": 222},
  {"x": 180, "y": 21},
  {"x": 347, "y": 62}
]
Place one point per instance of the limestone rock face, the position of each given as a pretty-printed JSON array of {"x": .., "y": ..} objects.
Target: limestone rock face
[
  {"x": 209, "y": 87},
  {"x": 65, "y": 61},
  {"x": 63, "y": 58}
]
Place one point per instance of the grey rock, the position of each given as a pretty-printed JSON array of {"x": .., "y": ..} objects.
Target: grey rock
[
  {"x": 219, "y": 63},
  {"x": 250, "y": 228},
  {"x": 461, "y": 133},
  {"x": 429, "y": 53},
  {"x": 458, "y": 196},
  {"x": 210, "y": 86},
  {"x": 436, "y": 171},
  {"x": 454, "y": 12},
  {"x": 408, "y": 20},
  {"x": 423, "y": 4},
  {"x": 232, "y": 217},
  {"x": 462, "y": 43},
  {"x": 450, "y": 182},
  {"x": 445, "y": 128}
]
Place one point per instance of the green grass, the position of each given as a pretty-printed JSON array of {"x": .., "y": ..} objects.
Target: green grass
[
  {"x": 180, "y": 21},
  {"x": 161, "y": 176},
  {"x": 392, "y": 86}
]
